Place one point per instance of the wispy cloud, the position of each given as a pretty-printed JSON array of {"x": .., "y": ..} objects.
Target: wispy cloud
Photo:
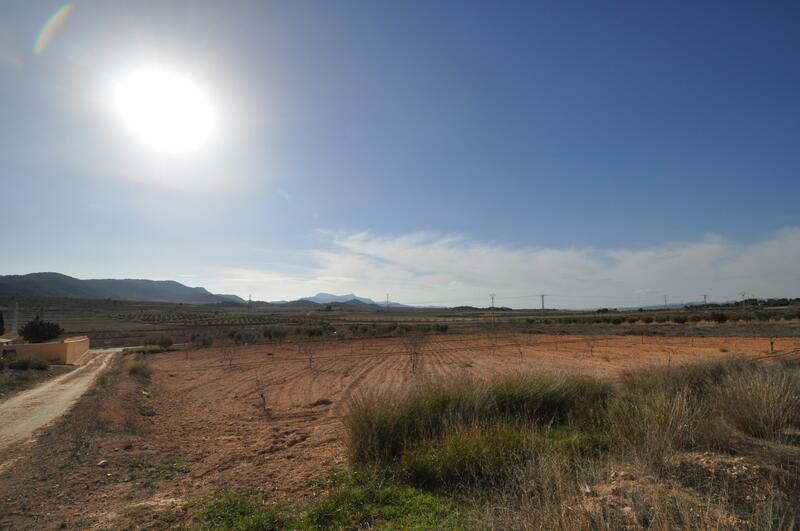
[{"x": 449, "y": 269}]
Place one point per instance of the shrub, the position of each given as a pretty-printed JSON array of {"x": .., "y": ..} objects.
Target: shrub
[
  {"x": 441, "y": 328},
  {"x": 381, "y": 427},
  {"x": 39, "y": 365},
  {"x": 679, "y": 319},
  {"x": 718, "y": 317},
  {"x": 470, "y": 456},
  {"x": 697, "y": 378},
  {"x": 38, "y": 331},
  {"x": 20, "y": 365},
  {"x": 765, "y": 315},
  {"x": 201, "y": 340},
  {"x": 247, "y": 337},
  {"x": 633, "y": 320},
  {"x": 651, "y": 424},
  {"x": 761, "y": 403},
  {"x": 647, "y": 319},
  {"x": 139, "y": 367},
  {"x": 164, "y": 342},
  {"x": 275, "y": 334}
]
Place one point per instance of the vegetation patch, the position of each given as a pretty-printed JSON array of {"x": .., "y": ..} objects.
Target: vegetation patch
[
  {"x": 145, "y": 474},
  {"x": 353, "y": 501},
  {"x": 380, "y": 428}
]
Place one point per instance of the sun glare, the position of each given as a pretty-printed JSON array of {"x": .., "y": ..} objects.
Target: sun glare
[{"x": 165, "y": 111}]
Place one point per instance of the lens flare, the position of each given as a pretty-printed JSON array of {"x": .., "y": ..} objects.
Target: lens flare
[{"x": 51, "y": 27}]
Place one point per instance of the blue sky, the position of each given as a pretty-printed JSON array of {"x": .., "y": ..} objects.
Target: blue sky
[{"x": 439, "y": 151}]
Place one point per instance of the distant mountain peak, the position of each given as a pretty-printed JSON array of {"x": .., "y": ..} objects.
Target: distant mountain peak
[{"x": 328, "y": 298}]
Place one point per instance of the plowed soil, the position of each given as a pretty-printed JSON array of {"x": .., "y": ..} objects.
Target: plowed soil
[
  {"x": 200, "y": 425},
  {"x": 209, "y": 408}
]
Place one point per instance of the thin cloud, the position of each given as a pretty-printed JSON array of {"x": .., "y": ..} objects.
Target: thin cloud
[{"x": 445, "y": 269}]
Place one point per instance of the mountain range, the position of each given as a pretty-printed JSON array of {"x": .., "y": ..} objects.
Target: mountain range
[
  {"x": 63, "y": 286},
  {"x": 327, "y": 298},
  {"x": 58, "y": 285}
]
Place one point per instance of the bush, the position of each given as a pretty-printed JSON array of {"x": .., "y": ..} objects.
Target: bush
[
  {"x": 164, "y": 342},
  {"x": 651, "y": 424},
  {"x": 679, "y": 319},
  {"x": 39, "y": 365},
  {"x": 761, "y": 403},
  {"x": 718, "y": 317},
  {"x": 381, "y": 427},
  {"x": 201, "y": 340},
  {"x": 246, "y": 337},
  {"x": 470, "y": 456},
  {"x": 20, "y": 365},
  {"x": 38, "y": 331},
  {"x": 275, "y": 334},
  {"x": 699, "y": 379},
  {"x": 441, "y": 328}
]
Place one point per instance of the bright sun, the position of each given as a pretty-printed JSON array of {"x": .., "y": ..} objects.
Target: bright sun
[{"x": 166, "y": 111}]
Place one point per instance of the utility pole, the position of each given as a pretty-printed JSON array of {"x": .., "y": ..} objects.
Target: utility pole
[
  {"x": 491, "y": 295},
  {"x": 665, "y": 301},
  {"x": 542, "y": 296},
  {"x": 705, "y": 299},
  {"x": 387, "y": 300},
  {"x": 250, "y": 302}
]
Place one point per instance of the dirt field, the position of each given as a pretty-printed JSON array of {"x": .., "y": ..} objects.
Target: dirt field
[
  {"x": 209, "y": 411},
  {"x": 196, "y": 425}
]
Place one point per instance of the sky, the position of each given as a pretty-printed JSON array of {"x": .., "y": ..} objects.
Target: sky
[{"x": 604, "y": 154}]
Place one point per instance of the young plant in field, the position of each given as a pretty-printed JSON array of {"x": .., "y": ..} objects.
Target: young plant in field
[
  {"x": 413, "y": 343},
  {"x": 261, "y": 391},
  {"x": 308, "y": 349}
]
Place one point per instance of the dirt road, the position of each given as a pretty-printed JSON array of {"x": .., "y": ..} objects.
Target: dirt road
[{"x": 23, "y": 414}]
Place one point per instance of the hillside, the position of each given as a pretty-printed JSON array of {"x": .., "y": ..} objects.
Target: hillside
[{"x": 58, "y": 285}]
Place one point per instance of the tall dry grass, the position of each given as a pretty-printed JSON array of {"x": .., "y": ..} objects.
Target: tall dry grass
[
  {"x": 761, "y": 403},
  {"x": 381, "y": 427},
  {"x": 533, "y": 449}
]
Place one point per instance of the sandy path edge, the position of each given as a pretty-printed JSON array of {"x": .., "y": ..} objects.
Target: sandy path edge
[{"x": 24, "y": 413}]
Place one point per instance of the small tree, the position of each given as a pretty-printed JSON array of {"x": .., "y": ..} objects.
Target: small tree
[
  {"x": 413, "y": 343},
  {"x": 38, "y": 331},
  {"x": 201, "y": 340},
  {"x": 519, "y": 344},
  {"x": 278, "y": 335},
  {"x": 261, "y": 390},
  {"x": 309, "y": 350}
]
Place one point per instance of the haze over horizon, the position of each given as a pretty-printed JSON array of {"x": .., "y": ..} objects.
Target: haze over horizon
[{"x": 438, "y": 153}]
